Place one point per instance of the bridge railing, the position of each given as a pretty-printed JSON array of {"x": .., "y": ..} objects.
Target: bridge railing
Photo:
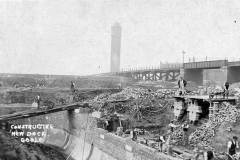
[
  {"x": 206, "y": 64},
  {"x": 233, "y": 59},
  {"x": 162, "y": 66},
  {"x": 203, "y": 59}
]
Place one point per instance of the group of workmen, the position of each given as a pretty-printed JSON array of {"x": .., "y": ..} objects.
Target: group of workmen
[
  {"x": 182, "y": 83},
  {"x": 232, "y": 144}
]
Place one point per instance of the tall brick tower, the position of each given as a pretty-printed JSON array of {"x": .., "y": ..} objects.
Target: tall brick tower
[{"x": 116, "y": 47}]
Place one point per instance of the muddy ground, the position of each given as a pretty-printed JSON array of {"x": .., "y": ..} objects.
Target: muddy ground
[{"x": 12, "y": 149}]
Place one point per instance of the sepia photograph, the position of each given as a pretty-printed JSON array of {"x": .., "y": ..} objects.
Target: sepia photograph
[{"x": 119, "y": 79}]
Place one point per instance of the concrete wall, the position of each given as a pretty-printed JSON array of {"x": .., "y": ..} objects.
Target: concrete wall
[{"x": 77, "y": 134}]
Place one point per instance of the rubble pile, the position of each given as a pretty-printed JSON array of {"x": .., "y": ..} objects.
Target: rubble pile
[
  {"x": 126, "y": 93},
  {"x": 157, "y": 84},
  {"x": 167, "y": 93},
  {"x": 235, "y": 92},
  {"x": 177, "y": 136},
  {"x": 226, "y": 113},
  {"x": 143, "y": 102},
  {"x": 236, "y": 156},
  {"x": 214, "y": 90},
  {"x": 191, "y": 86},
  {"x": 235, "y": 85},
  {"x": 203, "y": 135}
]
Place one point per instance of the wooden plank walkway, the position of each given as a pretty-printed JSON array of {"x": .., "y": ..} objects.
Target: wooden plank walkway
[
  {"x": 206, "y": 98},
  {"x": 38, "y": 112}
]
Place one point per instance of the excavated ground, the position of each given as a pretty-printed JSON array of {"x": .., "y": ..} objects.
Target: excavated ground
[{"x": 153, "y": 117}]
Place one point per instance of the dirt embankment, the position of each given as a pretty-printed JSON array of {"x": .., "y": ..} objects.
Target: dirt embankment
[{"x": 12, "y": 149}]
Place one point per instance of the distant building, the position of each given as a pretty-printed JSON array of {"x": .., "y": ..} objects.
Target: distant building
[{"x": 115, "y": 47}]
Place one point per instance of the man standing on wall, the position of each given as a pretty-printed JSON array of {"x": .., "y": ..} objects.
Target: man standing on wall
[
  {"x": 72, "y": 86},
  {"x": 38, "y": 99},
  {"x": 226, "y": 91},
  {"x": 181, "y": 85}
]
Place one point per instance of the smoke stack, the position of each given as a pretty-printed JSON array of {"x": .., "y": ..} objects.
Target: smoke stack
[{"x": 115, "y": 47}]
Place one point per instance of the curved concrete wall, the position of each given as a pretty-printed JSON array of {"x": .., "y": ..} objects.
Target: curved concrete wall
[{"x": 75, "y": 132}]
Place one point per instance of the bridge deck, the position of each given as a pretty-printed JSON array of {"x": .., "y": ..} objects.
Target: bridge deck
[
  {"x": 206, "y": 98},
  {"x": 37, "y": 112}
]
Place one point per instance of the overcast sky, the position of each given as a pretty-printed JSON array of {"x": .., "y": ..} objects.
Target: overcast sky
[{"x": 73, "y": 36}]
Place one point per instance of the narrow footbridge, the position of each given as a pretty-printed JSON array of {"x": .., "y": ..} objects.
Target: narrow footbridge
[{"x": 38, "y": 112}]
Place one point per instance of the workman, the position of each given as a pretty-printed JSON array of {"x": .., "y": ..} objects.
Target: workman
[
  {"x": 232, "y": 146},
  {"x": 169, "y": 145},
  {"x": 106, "y": 124},
  {"x": 185, "y": 127},
  {"x": 72, "y": 86},
  {"x": 120, "y": 86},
  {"x": 160, "y": 142},
  {"x": 208, "y": 155},
  {"x": 119, "y": 131},
  {"x": 226, "y": 85},
  {"x": 226, "y": 91},
  {"x": 38, "y": 99},
  {"x": 146, "y": 141},
  {"x": 133, "y": 134},
  {"x": 181, "y": 85},
  {"x": 172, "y": 126}
]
